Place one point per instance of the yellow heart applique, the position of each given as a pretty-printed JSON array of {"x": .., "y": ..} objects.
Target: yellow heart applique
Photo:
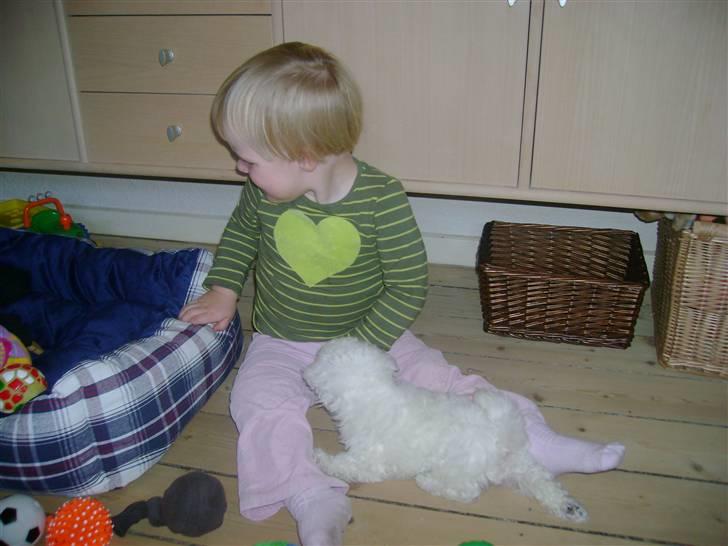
[{"x": 316, "y": 252}]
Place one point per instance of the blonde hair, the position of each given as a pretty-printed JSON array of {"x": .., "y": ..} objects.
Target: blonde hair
[{"x": 292, "y": 101}]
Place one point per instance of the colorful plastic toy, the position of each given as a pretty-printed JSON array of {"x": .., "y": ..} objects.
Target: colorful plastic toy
[
  {"x": 80, "y": 521},
  {"x": 51, "y": 221},
  {"x": 35, "y": 216},
  {"x": 20, "y": 381},
  {"x": 12, "y": 350},
  {"x": 11, "y": 213},
  {"x": 19, "y": 384}
]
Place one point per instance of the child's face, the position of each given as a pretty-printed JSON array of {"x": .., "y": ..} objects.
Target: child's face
[{"x": 279, "y": 179}]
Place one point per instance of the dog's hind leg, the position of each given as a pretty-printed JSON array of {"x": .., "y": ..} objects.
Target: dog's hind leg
[
  {"x": 449, "y": 483},
  {"x": 350, "y": 466},
  {"x": 535, "y": 481}
]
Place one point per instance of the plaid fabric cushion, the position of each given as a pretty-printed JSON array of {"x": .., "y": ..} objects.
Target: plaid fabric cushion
[{"x": 109, "y": 420}]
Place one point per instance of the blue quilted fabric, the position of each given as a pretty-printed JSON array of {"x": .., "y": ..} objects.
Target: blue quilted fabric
[{"x": 86, "y": 301}]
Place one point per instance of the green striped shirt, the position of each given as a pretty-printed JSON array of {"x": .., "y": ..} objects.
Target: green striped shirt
[{"x": 356, "y": 267}]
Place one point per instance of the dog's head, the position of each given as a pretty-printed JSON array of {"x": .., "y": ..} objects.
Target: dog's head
[{"x": 347, "y": 366}]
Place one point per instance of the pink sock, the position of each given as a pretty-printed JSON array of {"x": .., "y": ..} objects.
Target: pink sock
[
  {"x": 562, "y": 454},
  {"x": 321, "y": 515}
]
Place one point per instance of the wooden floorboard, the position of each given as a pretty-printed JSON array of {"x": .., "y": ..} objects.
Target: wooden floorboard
[{"x": 672, "y": 487}]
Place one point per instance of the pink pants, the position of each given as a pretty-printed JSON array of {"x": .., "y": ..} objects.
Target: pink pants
[{"x": 269, "y": 402}]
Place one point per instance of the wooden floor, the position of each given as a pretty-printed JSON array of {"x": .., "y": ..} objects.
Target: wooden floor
[{"x": 671, "y": 489}]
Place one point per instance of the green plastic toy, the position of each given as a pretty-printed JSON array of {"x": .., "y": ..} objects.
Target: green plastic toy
[{"x": 56, "y": 222}]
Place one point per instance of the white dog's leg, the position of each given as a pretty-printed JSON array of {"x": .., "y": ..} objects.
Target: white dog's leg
[
  {"x": 534, "y": 480},
  {"x": 449, "y": 483},
  {"x": 349, "y": 466}
]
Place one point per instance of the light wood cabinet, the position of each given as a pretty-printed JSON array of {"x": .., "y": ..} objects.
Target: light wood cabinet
[
  {"x": 131, "y": 129},
  {"x": 632, "y": 99},
  {"x": 604, "y": 103},
  {"x": 147, "y": 79},
  {"x": 145, "y": 75},
  {"x": 121, "y": 54},
  {"x": 443, "y": 83},
  {"x": 36, "y": 111},
  {"x": 618, "y": 104}
]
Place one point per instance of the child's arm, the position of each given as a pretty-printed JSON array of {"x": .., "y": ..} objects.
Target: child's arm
[
  {"x": 235, "y": 254},
  {"x": 404, "y": 267},
  {"x": 216, "y": 307}
]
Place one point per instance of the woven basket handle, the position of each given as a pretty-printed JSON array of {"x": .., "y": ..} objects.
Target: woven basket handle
[{"x": 706, "y": 231}]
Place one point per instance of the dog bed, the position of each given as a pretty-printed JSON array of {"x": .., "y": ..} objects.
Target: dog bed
[{"x": 124, "y": 375}]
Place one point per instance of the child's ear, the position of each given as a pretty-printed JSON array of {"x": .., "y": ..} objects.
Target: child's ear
[{"x": 308, "y": 164}]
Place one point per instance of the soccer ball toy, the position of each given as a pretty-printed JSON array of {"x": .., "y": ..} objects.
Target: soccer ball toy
[{"x": 22, "y": 520}]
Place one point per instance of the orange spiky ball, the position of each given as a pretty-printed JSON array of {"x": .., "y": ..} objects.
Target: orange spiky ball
[{"x": 80, "y": 522}]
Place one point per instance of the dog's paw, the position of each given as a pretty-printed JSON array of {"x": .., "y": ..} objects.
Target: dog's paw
[{"x": 573, "y": 511}]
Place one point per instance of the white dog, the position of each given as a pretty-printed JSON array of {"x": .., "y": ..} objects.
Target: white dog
[{"x": 453, "y": 446}]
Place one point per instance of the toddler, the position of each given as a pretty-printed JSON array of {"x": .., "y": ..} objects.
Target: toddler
[{"x": 337, "y": 252}]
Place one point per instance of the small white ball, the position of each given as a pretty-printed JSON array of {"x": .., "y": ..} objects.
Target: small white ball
[{"x": 22, "y": 520}]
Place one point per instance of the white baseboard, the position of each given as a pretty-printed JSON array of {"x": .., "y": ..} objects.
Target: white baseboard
[
  {"x": 441, "y": 248},
  {"x": 168, "y": 226},
  {"x": 197, "y": 212},
  {"x": 451, "y": 249},
  {"x": 461, "y": 250},
  {"x": 199, "y": 228}
]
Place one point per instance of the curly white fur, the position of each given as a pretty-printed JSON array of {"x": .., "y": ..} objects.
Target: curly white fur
[{"x": 453, "y": 446}]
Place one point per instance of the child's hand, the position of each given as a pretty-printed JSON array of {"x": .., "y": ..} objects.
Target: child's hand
[{"x": 216, "y": 307}]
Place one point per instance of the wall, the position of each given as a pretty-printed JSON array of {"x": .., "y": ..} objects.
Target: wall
[{"x": 197, "y": 212}]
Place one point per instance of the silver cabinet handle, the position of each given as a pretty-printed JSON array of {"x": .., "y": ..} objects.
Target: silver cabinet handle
[
  {"x": 166, "y": 56},
  {"x": 173, "y": 131}
]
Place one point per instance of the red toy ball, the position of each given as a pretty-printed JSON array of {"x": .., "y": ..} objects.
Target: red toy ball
[{"x": 80, "y": 522}]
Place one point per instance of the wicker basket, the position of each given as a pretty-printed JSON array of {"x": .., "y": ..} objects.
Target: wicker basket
[
  {"x": 690, "y": 298},
  {"x": 561, "y": 284}
]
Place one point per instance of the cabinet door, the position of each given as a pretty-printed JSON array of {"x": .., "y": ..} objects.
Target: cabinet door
[
  {"x": 36, "y": 119},
  {"x": 443, "y": 83},
  {"x": 632, "y": 99}
]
